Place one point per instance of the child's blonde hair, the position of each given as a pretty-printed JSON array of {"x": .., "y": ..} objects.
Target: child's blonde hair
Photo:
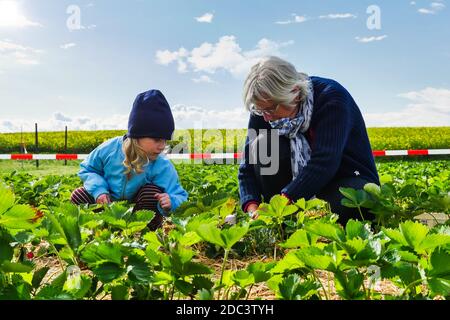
[{"x": 135, "y": 157}]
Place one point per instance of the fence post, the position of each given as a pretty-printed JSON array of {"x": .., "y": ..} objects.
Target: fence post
[
  {"x": 36, "y": 141},
  {"x": 65, "y": 145}
]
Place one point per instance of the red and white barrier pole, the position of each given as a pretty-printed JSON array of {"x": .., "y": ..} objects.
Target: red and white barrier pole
[{"x": 214, "y": 156}]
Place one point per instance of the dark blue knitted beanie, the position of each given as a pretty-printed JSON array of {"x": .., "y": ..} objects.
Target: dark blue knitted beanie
[{"x": 151, "y": 117}]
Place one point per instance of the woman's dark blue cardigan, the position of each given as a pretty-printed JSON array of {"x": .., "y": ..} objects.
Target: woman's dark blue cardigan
[{"x": 338, "y": 139}]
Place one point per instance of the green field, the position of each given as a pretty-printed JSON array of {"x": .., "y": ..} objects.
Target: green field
[{"x": 218, "y": 140}]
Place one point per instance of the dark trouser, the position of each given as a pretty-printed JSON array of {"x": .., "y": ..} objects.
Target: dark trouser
[
  {"x": 273, "y": 184},
  {"x": 144, "y": 200}
]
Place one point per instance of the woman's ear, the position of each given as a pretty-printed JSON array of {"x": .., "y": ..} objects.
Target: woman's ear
[
  {"x": 296, "y": 88},
  {"x": 297, "y": 98}
]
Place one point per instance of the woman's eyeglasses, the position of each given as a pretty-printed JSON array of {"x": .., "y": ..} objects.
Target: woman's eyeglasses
[{"x": 259, "y": 112}]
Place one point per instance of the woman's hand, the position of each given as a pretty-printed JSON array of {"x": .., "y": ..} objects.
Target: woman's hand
[
  {"x": 253, "y": 210},
  {"x": 104, "y": 199},
  {"x": 164, "y": 201}
]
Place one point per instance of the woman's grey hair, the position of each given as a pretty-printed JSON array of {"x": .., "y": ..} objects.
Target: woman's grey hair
[{"x": 275, "y": 79}]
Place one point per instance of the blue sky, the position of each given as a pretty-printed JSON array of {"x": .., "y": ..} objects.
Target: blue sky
[{"x": 198, "y": 53}]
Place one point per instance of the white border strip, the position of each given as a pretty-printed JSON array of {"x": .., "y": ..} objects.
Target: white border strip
[
  {"x": 438, "y": 151},
  {"x": 396, "y": 152}
]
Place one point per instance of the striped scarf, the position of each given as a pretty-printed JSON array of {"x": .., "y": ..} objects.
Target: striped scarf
[{"x": 294, "y": 129}]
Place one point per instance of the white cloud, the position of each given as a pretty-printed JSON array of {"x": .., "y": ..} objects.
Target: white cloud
[
  {"x": 13, "y": 53},
  {"x": 58, "y": 122},
  {"x": 60, "y": 117},
  {"x": 413, "y": 3},
  {"x": 370, "y": 39},
  {"x": 226, "y": 54},
  {"x": 207, "y": 18},
  {"x": 186, "y": 117},
  {"x": 428, "y": 107},
  {"x": 338, "y": 16},
  {"x": 297, "y": 19},
  {"x": 11, "y": 16},
  {"x": 203, "y": 78},
  {"x": 166, "y": 57},
  {"x": 68, "y": 45},
  {"x": 434, "y": 8}
]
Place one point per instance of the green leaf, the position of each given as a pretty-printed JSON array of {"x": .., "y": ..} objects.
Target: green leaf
[
  {"x": 227, "y": 208},
  {"x": 279, "y": 207},
  {"x": 201, "y": 282},
  {"x": 15, "y": 292},
  {"x": 204, "y": 294},
  {"x": 289, "y": 262},
  {"x": 138, "y": 269},
  {"x": 153, "y": 241},
  {"x": 107, "y": 272},
  {"x": 210, "y": 233},
  {"x": 408, "y": 256},
  {"x": 406, "y": 271},
  {"x": 373, "y": 189},
  {"x": 356, "y": 229},
  {"x": 301, "y": 204},
  {"x": 316, "y": 258},
  {"x": 162, "y": 278},
  {"x": 326, "y": 230},
  {"x": 95, "y": 253},
  {"x": 440, "y": 286},
  {"x": 18, "y": 217},
  {"x": 292, "y": 288},
  {"x": 298, "y": 239},
  {"x": 6, "y": 199},
  {"x": 184, "y": 287},
  {"x": 432, "y": 241},
  {"x": 38, "y": 276},
  {"x": 349, "y": 193},
  {"x": 119, "y": 292},
  {"x": 414, "y": 233},
  {"x": 243, "y": 278},
  {"x": 355, "y": 245},
  {"x": 6, "y": 251},
  {"x": 314, "y": 203},
  {"x": 7, "y": 266},
  {"x": 69, "y": 223},
  {"x": 348, "y": 284},
  {"x": 260, "y": 271},
  {"x": 440, "y": 263},
  {"x": 232, "y": 235},
  {"x": 349, "y": 203},
  {"x": 134, "y": 227},
  {"x": 189, "y": 239},
  {"x": 193, "y": 268},
  {"x": 395, "y": 235},
  {"x": 199, "y": 220},
  {"x": 143, "y": 216},
  {"x": 153, "y": 256}
]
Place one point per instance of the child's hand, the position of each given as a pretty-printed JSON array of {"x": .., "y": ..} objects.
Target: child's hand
[
  {"x": 164, "y": 201},
  {"x": 104, "y": 199}
]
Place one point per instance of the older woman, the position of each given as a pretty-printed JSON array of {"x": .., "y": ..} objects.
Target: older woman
[{"x": 321, "y": 139}]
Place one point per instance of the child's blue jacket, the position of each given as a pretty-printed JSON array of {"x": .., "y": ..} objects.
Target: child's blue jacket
[{"x": 103, "y": 172}]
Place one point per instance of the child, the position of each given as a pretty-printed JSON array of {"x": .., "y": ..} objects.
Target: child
[{"x": 132, "y": 167}]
